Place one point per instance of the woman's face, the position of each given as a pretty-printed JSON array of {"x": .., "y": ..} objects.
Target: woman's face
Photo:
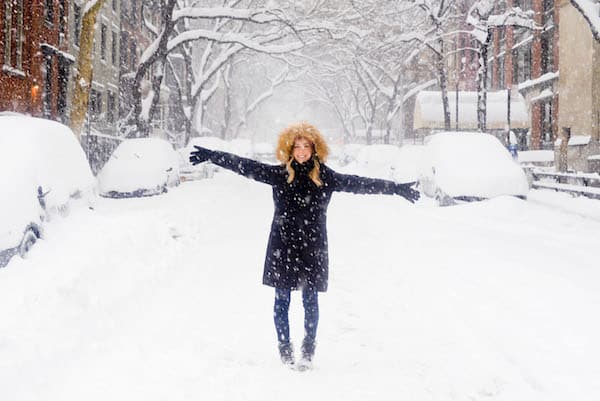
[{"x": 303, "y": 150}]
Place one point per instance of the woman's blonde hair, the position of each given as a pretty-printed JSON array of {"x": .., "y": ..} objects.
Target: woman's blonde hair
[{"x": 285, "y": 148}]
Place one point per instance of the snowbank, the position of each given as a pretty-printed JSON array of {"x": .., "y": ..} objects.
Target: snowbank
[{"x": 536, "y": 156}]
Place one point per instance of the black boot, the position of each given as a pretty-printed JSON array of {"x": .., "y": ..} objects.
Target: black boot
[
  {"x": 308, "y": 352},
  {"x": 308, "y": 349},
  {"x": 286, "y": 352}
]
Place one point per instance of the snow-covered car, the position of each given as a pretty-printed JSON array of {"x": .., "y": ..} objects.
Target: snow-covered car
[
  {"x": 42, "y": 169},
  {"x": 469, "y": 166},
  {"x": 139, "y": 167}
]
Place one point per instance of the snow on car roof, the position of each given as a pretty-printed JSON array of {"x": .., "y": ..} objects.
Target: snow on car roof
[{"x": 37, "y": 152}]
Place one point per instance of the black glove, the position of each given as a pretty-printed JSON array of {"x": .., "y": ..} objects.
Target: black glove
[
  {"x": 199, "y": 155},
  {"x": 406, "y": 191}
]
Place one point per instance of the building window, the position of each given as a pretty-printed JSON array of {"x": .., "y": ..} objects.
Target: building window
[
  {"x": 62, "y": 22},
  {"x": 103, "y": 31},
  {"x": 525, "y": 5},
  {"x": 19, "y": 37},
  {"x": 547, "y": 51},
  {"x": 123, "y": 48},
  {"x": 133, "y": 56},
  {"x": 77, "y": 27},
  {"x": 501, "y": 73},
  {"x": 501, "y": 38},
  {"x": 133, "y": 12},
  {"x": 113, "y": 48},
  {"x": 13, "y": 34},
  {"x": 8, "y": 32},
  {"x": 489, "y": 74},
  {"x": 522, "y": 63},
  {"x": 48, "y": 87},
  {"x": 95, "y": 105},
  {"x": 49, "y": 11},
  {"x": 110, "y": 107},
  {"x": 547, "y": 37},
  {"x": 547, "y": 124}
]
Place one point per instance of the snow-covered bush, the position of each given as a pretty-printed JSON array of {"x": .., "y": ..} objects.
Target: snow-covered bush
[
  {"x": 264, "y": 151},
  {"x": 348, "y": 153}
]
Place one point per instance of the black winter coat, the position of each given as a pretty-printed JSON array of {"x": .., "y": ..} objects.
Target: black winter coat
[{"x": 297, "y": 253}]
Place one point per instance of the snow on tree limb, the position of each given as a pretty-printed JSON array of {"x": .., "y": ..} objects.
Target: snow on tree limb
[
  {"x": 259, "y": 15},
  {"x": 242, "y": 39}
]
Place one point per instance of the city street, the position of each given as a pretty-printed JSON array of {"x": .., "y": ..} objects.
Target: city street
[{"x": 160, "y": 298}]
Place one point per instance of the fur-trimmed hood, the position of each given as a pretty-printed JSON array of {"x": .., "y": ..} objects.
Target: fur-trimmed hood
[{"x": 285, "y": 144}]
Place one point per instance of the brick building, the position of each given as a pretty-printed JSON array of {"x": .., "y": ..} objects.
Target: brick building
[
  {"x": 527, "y": 61},
  {"x": 35, "y": 64}
]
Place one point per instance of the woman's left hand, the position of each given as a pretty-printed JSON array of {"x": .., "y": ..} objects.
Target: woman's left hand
[{"x": 407, "y": 192}]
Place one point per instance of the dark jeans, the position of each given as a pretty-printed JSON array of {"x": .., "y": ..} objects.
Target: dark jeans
[{"x": 310, "y": 300}]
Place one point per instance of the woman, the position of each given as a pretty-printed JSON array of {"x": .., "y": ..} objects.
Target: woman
[{"x": 297, "y": 255}]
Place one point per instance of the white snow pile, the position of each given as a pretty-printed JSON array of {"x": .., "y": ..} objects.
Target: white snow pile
[
  {"x": 407, "y": 167},
  {"x": 536, "y": 156},
  {"x": 390, "y": 162},
  {"x": 347, "y": 154},
  {"x": 374, "y": 161},
  {"x": 470, "y": 164},
  {"x": 139, "y": 164},
  {"x": 37, "y": 153},
  {"x": 241, "y": 147},
  {"x": 264, "y": 151}
]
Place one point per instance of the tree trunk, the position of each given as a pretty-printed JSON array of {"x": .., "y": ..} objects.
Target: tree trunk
[
  {"x": 141, "y": 122},
  {"x": 227, "y": 106},
  {"x": 482, "y": 85},
  {"x": 83, "y": 80},
  {"x": 443, "y": 81}
]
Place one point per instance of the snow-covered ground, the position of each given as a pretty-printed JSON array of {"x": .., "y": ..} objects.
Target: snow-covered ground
[{"x": 161, "y": 299}]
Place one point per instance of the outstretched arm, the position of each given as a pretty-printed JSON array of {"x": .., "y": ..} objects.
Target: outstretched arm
[
  {"x": 365, "y": 185},
  {"x": 258, "y": 171}
]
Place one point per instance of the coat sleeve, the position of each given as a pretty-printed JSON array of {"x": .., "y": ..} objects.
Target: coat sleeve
[
  {"x": 249, "y": 168},
  {"x": 363, "y": 185}
]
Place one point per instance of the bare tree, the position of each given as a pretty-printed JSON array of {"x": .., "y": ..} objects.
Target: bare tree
[
  {"x": 481, "y": 16},
  {"x": 256, "y": 95},
  {"x": 275, "y": 37}
]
